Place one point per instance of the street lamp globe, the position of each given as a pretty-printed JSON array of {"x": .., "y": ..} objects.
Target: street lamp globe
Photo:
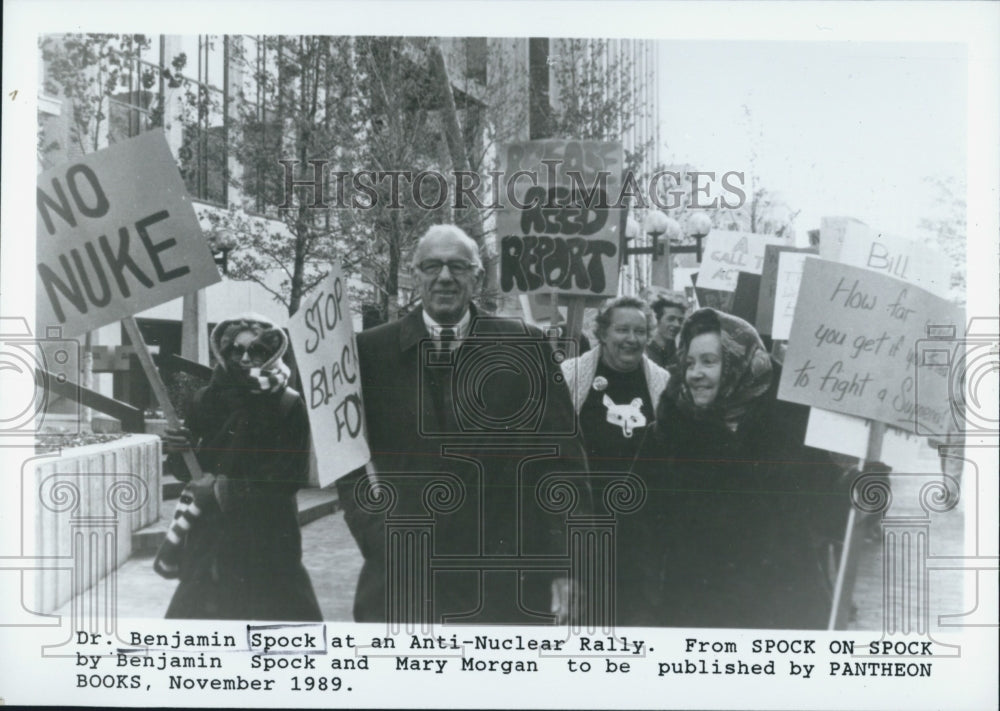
[
  {"x": 631, "y": 227},
  {"x": 656, "y": 223},
  {"x": 699, "y": 224},
  {"x": 673, "y": 229}
]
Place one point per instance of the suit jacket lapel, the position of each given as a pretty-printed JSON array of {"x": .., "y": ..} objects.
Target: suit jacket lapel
[{"x": 412, "y": 329}]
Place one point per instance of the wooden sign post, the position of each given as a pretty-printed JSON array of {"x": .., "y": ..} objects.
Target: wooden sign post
[
  {"x": 847, "y": 569},
  {"x": 159, "y": 389}
]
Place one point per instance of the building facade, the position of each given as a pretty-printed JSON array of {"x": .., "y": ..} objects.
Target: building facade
[{"x": 214, "y": 95}]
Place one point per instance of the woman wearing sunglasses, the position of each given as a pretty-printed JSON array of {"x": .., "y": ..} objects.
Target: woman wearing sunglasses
[{"x": 235, "y": 543}]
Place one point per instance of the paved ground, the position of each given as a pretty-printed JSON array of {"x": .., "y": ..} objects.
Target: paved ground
[
  {"x": 329, "y": 552},
  {"x": 945, "y": 535},
  {"x": 333, "y": 561}
]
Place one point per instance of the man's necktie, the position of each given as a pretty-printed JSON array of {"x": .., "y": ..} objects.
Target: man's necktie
[{"x": 446, "y": 338}]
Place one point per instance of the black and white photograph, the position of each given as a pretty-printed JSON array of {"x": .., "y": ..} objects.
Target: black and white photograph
[{"x": 398, "y": 354}]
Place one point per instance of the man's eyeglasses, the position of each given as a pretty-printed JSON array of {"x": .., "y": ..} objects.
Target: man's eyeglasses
[{"x": 457, "y": 267}]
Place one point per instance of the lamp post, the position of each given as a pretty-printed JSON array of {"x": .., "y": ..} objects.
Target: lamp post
[
  {"x": 656, "y": 224},
  {"x": 222, "y": 242},
  {"x": 699, "y": 225}
]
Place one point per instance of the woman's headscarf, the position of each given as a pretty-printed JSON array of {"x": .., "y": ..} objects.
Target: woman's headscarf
[
  {"x": 746, "y": 367},
  {"x": 269, "y": 345}
]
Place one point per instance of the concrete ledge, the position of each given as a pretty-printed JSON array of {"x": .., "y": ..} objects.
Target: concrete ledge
[{"x": 88, "y": 501}]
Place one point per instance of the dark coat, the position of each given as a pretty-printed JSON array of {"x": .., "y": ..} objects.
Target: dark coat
[
  {"x": 730, "y": 534},
  {"x": 423, "y": 424},
  {"x": 245, "y": 561},
  {"x": 663, "y": 354}
]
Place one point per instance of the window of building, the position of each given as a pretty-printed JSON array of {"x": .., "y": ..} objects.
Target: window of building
[
  {"x": 476, "y": 51},
  {"x": 135, "y": 104},
  {"x": 204, "y": 151},
  {"x": 261, "y": 108}
]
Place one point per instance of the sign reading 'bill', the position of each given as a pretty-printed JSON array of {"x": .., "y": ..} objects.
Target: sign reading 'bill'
[
  {"x": 560, "y": 225},
  {"x": 854, "y": 348},
  {"x": 327, "y": 357},
  {"x": 116, "y": 235}
]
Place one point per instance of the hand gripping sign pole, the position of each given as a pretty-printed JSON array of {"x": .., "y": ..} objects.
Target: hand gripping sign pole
[{"x": 159, "y": 389}]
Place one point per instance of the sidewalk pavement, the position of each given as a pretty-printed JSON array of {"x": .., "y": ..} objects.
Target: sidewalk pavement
[
  {"x": 332, "y": 558},
  {"x": 328, "y": 550}
]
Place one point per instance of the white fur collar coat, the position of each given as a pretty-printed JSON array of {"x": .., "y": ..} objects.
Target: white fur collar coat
[{"x": 580, "y": 372}]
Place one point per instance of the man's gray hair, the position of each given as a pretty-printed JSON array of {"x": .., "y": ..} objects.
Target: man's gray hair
[{"x": 450, "y": 231}]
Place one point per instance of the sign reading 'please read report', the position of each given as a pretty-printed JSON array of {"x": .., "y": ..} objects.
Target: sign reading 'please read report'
[{"x": 559, "y": 230}]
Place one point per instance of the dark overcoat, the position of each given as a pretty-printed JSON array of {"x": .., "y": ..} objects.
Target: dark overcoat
[
  {"x": 733, "y": 529},
  {"x": 462, "y": 439},
  {"x": 245, "y": 562}
]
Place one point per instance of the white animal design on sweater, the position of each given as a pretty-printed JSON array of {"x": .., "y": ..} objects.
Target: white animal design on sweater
[{"x": 629, "y": 417}]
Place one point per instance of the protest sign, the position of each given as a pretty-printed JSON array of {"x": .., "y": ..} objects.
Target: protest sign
[
  {"x": 682, "y": 277},
  {"x": 712, "y": 298},
  {"x": 835, "y": 432},
  {"x": 769, "y": 285},
  {"x": 853, "y": 347},
  {"x": 745, "y": 297},
  {"x": 831, "y": 235},
  {"x": 786, "y": 292},
  {"x": 901, "y": 450},
  {"x": 558, "y": 230},
  {"x": 327, "y": 356},
  {"x": 116, "y": 235},
  {"x": 895, "y": 256},
  {"x": 727, "y": 254}
]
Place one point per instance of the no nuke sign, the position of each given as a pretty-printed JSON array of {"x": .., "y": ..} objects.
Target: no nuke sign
[{"x": 116, "y": 234}]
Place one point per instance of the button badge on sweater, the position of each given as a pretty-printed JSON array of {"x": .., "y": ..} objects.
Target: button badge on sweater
[{"x": 629, "y": 417}]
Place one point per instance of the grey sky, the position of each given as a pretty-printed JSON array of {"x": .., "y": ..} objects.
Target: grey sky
[{"x": 839, "y": 128}]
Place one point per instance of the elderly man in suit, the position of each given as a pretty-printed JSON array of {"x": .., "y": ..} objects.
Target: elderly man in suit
[{"x": 466, "y": 414}]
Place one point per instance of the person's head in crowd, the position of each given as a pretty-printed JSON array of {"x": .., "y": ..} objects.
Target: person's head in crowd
[
  {"x": 250, "y": 350},
  {"x": 669, "y": 318},
  {"x": 623, "y": 328},
  {"x": 449, "y": 270},
  {"x": 722, "y": 366}
]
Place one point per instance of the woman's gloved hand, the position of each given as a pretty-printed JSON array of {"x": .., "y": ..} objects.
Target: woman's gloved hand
[
  {"x": 203, "y": 491},
  {"x": 176, "y": 441}
]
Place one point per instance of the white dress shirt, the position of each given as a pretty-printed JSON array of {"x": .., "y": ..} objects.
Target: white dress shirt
[{"x": 461, "y": 328}]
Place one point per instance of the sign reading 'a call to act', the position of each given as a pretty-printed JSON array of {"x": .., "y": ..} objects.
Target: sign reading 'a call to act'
[{"x": 116, "y": 234}]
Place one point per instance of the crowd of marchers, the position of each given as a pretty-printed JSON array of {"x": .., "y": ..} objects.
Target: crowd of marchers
[{"x": 737, "y": 519}]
